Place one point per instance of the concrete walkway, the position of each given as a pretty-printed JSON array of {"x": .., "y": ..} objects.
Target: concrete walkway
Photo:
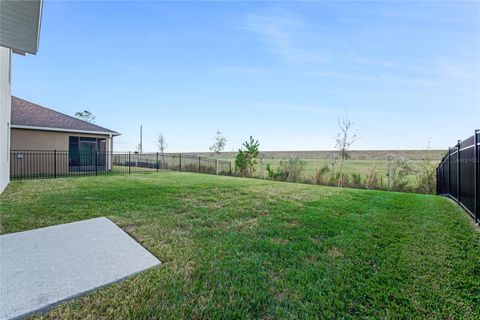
[{"x": 43, "y": 267}]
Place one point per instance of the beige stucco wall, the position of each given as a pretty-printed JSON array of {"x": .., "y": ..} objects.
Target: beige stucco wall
[
  {"x": 44, "y": 161},
  {"x": 23, "y": 139},
  {"x": 5, "y": 101}
]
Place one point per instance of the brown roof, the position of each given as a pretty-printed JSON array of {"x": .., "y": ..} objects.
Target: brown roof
[{"x": 28, "y": 114}]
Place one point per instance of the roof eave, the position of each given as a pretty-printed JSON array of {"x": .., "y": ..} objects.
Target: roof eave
[
  {"x": 33, "y": 49},
  {"x": 104, "y": 133}
]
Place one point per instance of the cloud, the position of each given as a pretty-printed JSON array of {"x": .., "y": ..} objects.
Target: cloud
[
  {"x": 278, "y": 32},
  {"x": 310, "y": 109},
  {"x": 448, "y": 67},
  {"x": 294, "y": 39},
  {"x": 351, "y": 76},
  {"x": 248, "y": 71}
]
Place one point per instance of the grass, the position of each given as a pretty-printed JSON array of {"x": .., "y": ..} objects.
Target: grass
[{"x": 241, "y": 248}]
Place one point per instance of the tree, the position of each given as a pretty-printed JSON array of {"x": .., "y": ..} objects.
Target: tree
[
  {"x": 85, "y": 115},
  {"x": 219, "y": 144},
  {"x": 162, "y": 145},
  {"x": 344, "y": 140},
  {"x": 246, "y": 159}
]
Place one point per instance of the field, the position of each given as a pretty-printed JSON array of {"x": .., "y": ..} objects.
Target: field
[
  {"x": 237, "y": 248},
  {"x": 371, "y": 155},
  {"x": 361, "y": 163}
]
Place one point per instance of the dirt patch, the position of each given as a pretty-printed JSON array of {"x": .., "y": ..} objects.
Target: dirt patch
[
  {"x": 334, "y": 252},
  {"x": 280, "y": 240}
]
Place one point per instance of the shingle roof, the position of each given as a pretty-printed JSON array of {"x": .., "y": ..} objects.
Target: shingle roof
[{"x": 28, "y": 114}]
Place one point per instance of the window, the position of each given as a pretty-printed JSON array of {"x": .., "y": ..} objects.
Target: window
[{"x": 82, "y": 151}]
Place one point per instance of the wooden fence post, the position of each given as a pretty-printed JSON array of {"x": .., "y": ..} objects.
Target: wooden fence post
[
  {"x": 180, "y": 162},
  {"x": 129, "y": 162},
  {"x": 157, "y": 162}
]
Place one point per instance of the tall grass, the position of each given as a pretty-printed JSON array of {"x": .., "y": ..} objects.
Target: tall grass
[{"x": 404, "y": 175}]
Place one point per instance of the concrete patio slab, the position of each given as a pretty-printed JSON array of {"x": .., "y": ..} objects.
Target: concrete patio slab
[{"x": 43, "y": 267}]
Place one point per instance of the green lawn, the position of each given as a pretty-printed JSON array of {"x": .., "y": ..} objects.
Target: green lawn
[{"x": 239, "y": 248}]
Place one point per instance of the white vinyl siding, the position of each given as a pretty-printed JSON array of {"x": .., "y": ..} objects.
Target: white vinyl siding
[{"x": 20, "y": 25}]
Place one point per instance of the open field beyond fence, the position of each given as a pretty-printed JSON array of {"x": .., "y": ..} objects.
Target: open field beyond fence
[{"x": 409, "y": 169}]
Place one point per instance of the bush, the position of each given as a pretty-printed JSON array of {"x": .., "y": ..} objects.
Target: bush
[
  {"x": 293, "y": 168},
  {"x": 372, "y": 180},
  {"x": 275, "y": 175},
  {"x": 290, "y": 170},
  {"x": 426, "y": 177},
  {"x": 322, "y": 176},
  {"x": 356, "y": 181},
  {"x": 399, "y": 174}
]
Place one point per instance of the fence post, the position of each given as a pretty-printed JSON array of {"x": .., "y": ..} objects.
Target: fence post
[
  {"x": 157, "y": 162},
  {"x": 96, "y": 163},
  {"x": 458, "y": 171},
  {"x": 449, "y": 171},
  {"x": 54, "y": 163},
  {"x": 129, "y": 162},
  {"x": 476, "y": 175},
  {"x": 388, "y": 173},
  {"x": 180, "y": 162},
  {"x": 199, "y": 163},
  {"x": 216, "y": 167}
]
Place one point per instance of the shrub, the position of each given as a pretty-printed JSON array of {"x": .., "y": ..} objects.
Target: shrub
[
  {"x": 275, "y": 175},
  {"x": 426, "y": 177},
  {"x": 290, "y": 170},
  {"x": 399, "y": 174},
  {"x": 241, "y": 163},
  {"x": 322, "y": 175},
  {"x": 372, "y": 179},
  {"x": 356, "y": 181}
]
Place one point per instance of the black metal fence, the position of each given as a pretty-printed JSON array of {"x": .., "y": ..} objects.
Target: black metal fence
[
  {"x": 39, "y": 164},
  {"x": 458, "y": 175}
]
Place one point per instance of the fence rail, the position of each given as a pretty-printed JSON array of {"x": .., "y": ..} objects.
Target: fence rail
[
  {"x": 41, "y": 164},
  {"x": 458, "y": 175}
]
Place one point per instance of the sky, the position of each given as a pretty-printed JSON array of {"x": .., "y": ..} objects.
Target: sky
[{"x": 405, "y": 73}]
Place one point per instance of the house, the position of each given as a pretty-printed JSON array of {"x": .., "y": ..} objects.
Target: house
[
  {"x": 19, "y": 33},
  {"x": 79, "y": 146}
]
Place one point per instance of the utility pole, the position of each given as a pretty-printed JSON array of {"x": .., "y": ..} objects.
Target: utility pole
[{"x": 140, "y": 147}]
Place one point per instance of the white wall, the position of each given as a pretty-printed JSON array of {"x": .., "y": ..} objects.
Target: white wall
[{"x": 5, "y": 105}]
